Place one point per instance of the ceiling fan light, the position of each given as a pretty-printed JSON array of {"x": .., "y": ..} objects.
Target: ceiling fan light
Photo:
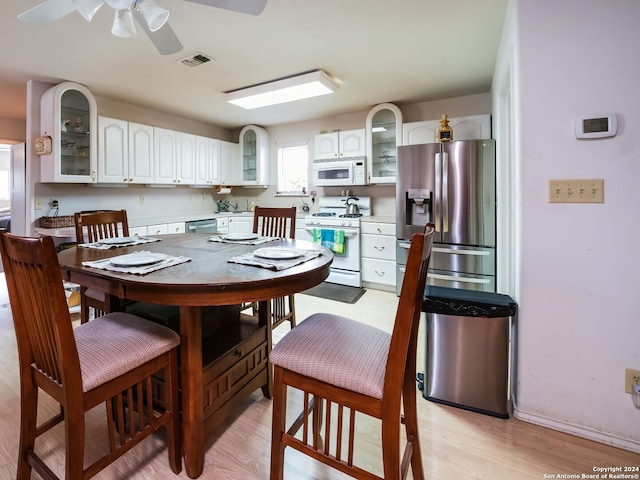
[
  {"x": 153, "y": 14},
  {"x": 123, "y": 24},
  {"x": 88, "y": 8}
]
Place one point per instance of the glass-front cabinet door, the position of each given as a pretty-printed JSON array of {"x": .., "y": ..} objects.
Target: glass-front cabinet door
[
  {"x": 254, "y": 156},
  {"x": 384, "y": 134},
  {"x": 68, "y": 114}
]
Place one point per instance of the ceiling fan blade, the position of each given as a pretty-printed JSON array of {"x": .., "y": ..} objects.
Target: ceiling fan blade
[
  {"x": 164, "y": 39},
  {"x": 251, "y": 7},
  {"x": 49, "y": 11}
]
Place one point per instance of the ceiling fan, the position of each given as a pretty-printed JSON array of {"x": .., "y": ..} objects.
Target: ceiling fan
[{"x": 150, "y": 16}]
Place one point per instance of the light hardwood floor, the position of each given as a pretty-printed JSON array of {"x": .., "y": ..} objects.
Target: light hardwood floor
[{"x": 455, "y": 443}]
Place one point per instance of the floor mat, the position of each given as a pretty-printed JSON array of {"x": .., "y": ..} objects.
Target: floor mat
[{"x": 333, "y": 291}]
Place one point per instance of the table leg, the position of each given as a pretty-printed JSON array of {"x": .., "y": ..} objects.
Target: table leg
[
  {"x": 191, "y": 383},
  {"x": 264, "y": 318}
]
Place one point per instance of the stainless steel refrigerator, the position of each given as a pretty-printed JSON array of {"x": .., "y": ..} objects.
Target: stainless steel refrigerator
[{"x": 453, "y": 186}]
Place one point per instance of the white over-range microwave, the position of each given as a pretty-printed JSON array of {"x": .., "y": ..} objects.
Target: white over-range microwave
[{"x": 339, "y": 171}]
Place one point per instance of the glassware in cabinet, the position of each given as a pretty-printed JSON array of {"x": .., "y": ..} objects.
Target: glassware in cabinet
[
  {"x": 254, "y": 145},
  {"x": 384, "y": 135},
  {"x": 68, "y": 113}
]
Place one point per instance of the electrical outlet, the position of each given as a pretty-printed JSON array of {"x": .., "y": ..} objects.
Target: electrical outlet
[
  {"x": 190, "y": 198},
  {"x": 576, "y": 191},
  {"x": 38, "y": 204},
  {"x": 631, "y": 376},
  {"x": 141, "y": 199}
]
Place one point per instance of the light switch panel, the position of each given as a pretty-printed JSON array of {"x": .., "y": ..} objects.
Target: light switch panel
[{"x": 576, "y": 191}]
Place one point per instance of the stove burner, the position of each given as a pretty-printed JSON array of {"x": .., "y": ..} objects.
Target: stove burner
[
  {"x": 351, "y": 215},
  {"x": 324, "y": 214}
]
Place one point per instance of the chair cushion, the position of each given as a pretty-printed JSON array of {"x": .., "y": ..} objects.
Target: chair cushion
[
  {"x": 338, "y": 351},
  {"x": 116, "y": 343}
]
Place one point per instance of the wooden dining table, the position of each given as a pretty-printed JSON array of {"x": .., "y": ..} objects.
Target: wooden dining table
[{"x": 210, "y": 386}]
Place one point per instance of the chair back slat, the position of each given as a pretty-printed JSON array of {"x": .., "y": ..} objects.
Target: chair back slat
[
  {"x": 275, "y": 222},
  {"x": 39, "y": 307},
  {"x": 92, "y": 226},
  {"x": 405, "y": 330}
]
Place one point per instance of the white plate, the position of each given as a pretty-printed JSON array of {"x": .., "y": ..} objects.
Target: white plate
[
  {"x": 137, "y": 259},
  {"x": 278, "y": 253},
  {"x": 116, "y": 240},
  {"x": 239, "y": 236}
]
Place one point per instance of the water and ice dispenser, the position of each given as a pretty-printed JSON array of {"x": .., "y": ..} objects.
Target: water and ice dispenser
[{"x": 418, "y": 207}]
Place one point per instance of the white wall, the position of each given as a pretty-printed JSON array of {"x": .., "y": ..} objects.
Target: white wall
[{"x": 578, "y": 323}]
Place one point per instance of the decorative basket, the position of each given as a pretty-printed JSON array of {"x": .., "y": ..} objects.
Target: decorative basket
[{"x": 57, "y": 222}]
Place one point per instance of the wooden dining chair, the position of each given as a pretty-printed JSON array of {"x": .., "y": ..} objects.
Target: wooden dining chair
[
  {"x": 277, "y": 222},
  {"x": 92, "y": 226},
  {"x": 359, "y": 368},
  {"x": 110, "y": 359}
]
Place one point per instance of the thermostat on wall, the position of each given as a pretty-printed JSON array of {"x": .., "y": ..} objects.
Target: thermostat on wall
[{"x": 596, "y": 126}]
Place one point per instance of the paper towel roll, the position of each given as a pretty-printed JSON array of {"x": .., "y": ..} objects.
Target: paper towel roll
[{"x": 223, "y": 190}]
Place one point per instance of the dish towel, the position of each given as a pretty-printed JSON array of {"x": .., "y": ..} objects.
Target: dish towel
[
  {"x": 102, "y": 246},
  {"x": 105, "y": 264},
  {"x": 329, "y": 238},
  {"x": 251, "y": 259}
]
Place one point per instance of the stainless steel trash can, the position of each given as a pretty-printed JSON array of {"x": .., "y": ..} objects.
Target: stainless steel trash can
[{"x": 467, "y": 358}]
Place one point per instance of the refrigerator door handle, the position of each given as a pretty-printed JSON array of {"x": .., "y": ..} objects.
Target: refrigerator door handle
[
  {"x": 451, "y": 278},
  {"x": 482, "y": 253},
  {"x": 445, "y": 192},
  {"x": 436, "y": 209}
]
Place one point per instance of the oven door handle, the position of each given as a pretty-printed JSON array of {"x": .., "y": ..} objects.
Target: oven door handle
[{"x": 347, "y": 232}]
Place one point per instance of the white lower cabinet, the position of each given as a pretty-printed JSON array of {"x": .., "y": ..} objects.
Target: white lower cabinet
[
  {"x": 176, "y": 227},
  {"x": 223, "y": 225},
  {"x": 159, "y": 229},
  {"x": 240, "y": 224},
  {"x": 378, "y": 251},
  {"x": 138, "y": 231}
]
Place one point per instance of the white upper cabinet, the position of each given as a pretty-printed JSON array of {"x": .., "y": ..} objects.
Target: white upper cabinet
[
  {"x": 68, "y": 114},
  {"x": 254, "y": 156},
  {"x": 229, "y": 163},
  {"x": 473, "y": 127},
  {"x": 207, "y": 151},
  {"x": 185, "y": 158},
  {"x": 164, "y": 156},
  {"x": 140, "y": 153},
  {"x": 113, "y": 150},
  {"x": 174, "y": 157},
  {"x": 414, "y": 133},
  {"x": 347, "y": 143},
  {"x": 125, "y": 152},
  {"x": 383, "y": 128}
]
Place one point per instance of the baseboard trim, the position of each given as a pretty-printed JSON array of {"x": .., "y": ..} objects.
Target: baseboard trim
[{"x": 578, "y": 430}]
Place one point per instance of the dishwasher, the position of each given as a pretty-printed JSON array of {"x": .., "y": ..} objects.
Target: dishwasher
[{"x": 209, "y": 225}]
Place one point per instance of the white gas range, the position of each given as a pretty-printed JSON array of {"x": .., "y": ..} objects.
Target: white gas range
[{"x": 325, "y": 226}]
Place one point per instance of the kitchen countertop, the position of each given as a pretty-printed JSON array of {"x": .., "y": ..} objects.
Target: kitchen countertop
[{"x": 379, "y": 219}]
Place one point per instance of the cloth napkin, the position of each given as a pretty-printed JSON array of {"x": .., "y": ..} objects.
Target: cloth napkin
[
  {"x": 255, "y": 241},
  {"x": 105, "y": 264},
  {"x": 102, "y": 246},
  {"x": 251, "y": 259},
  {"x": 329, "y": 238}
]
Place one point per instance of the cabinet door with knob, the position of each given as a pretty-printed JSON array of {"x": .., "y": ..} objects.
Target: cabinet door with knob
[
  {"x": 125, "y": 152},
  {"x": 347, "y": 143}
]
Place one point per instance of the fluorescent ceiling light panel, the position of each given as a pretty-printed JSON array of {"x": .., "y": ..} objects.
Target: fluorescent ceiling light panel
[{"x": 290, "y": 89}]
